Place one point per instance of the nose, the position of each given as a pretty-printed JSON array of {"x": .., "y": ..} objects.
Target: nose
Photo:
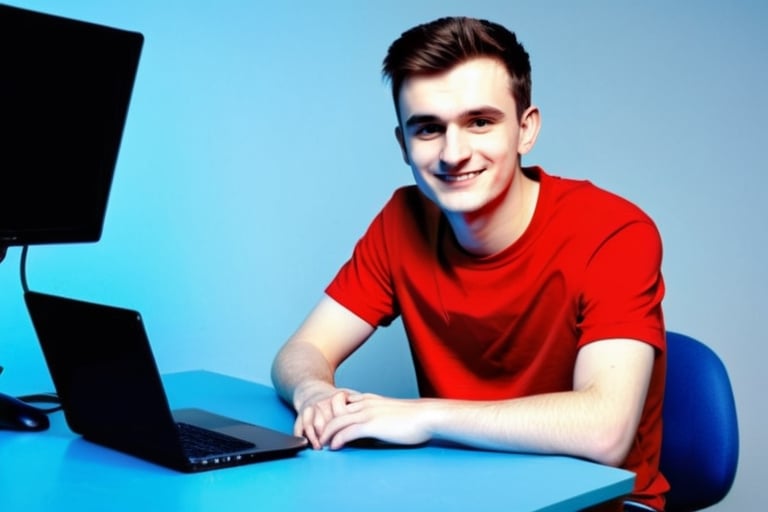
[{"x": 456, "y": 148}]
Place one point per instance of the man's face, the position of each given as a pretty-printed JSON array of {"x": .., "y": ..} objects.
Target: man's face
[{"x": 461, "y": 135}]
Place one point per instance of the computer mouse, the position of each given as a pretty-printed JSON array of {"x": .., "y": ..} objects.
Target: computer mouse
[{"x": 18, "y": 415}]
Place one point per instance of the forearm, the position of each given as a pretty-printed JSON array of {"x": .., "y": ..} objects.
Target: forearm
[
  {"x": 304, "y": 368},
  {"x": 597, "y": 420},
  {"x": 574, "y": 423},
  {"x": 298, "y": 369},
  {"x": 304, "y": 377}
]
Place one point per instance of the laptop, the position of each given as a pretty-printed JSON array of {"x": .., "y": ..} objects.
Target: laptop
[{"x": 107, "y": 380}]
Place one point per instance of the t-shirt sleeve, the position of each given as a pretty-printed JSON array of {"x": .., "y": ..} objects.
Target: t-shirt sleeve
[
  {"x": 623, "y": 287},
  {"x": 364, "y": 283}
]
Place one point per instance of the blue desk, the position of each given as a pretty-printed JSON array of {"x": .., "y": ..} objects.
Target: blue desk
[{"x": 56, "y": 470}]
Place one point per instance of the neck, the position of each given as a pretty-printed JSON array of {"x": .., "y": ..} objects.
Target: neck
[{"x": 500, "y": 223}]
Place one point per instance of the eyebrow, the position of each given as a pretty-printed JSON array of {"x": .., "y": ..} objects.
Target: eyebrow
[{"x": 485, "y": 111}]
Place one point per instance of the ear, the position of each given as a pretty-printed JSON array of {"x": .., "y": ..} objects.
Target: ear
[
  {"x": 530, "y": 123},
  {"x": 401, "y": 141}
]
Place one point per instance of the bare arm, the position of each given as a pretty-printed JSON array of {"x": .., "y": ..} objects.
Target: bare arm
[
  {"x": 303, "y": 370},
  {"x": 597, "y": 420}
]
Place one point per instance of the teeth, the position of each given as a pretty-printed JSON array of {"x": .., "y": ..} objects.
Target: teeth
[{"x": 459, "y": 177}]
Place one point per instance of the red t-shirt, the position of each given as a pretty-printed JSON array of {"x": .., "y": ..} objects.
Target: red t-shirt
[{"x": 587, "y": 268}]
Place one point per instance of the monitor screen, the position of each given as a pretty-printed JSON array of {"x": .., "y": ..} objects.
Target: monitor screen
[{"x": 65, "y": 86}]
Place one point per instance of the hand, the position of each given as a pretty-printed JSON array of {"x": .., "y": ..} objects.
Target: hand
[
  {"x": 320, "y": 404},
  {"x": 372, "y": 416}
]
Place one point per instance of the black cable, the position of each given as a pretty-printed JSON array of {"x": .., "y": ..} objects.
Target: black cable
[
  {"x": 44, "y": 398},
  {"x": 23, "y": 268},
  {"x": 41, "y": 398}
]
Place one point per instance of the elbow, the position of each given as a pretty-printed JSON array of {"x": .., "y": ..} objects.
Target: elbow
[
  {"x": 275, "y": 372},
  {"x": 281, "y": 377},
  {"x": 610, "y": 446},
  {"x": 611, "y": 456}
]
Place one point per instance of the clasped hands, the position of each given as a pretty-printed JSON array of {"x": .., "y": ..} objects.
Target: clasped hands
[{"x": 333, "y": 417}]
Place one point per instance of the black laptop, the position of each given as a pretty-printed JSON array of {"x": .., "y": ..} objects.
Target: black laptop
[{"x": 105, "y": 374}]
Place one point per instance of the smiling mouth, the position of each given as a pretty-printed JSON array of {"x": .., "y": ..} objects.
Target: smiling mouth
[{"x": 453, "y": 178}]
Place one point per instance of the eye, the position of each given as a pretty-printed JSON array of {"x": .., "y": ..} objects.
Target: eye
[
  {"x": 481, "y": 123},
  {"x": 429, "y": 130}
]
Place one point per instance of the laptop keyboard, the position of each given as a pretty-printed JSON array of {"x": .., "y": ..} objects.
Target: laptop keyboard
[{"x": 200, "y": 443}]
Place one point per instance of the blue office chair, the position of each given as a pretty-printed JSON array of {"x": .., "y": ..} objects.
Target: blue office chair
[{"x": 700, "y": 448}]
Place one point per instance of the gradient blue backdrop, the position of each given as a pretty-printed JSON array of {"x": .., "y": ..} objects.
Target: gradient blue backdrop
[{"x": 260, "y": 144}]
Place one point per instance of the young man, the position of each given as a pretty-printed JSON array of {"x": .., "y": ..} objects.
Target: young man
[{"x": 532, "y": 303}]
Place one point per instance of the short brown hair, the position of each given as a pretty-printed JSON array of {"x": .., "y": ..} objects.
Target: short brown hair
[{"x": 439, "y": 45}]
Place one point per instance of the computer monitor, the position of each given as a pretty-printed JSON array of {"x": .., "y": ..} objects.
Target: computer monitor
[{"x": 65, "y": 86}]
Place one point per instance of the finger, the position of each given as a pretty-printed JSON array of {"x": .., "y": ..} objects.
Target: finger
[
  {"x": 339, "y": 424},
  {"x": 354, "y": 407},
  {"x": 298, "y": 426},
  {"x": 306, "y": 423},
  {"x": 324, "y": 410},
  {"x": 319, "y": 418},
  {"x": 359, "y": 397},
  {"x": 338, "y": 404},
  {"x": 346, "y": 435}
]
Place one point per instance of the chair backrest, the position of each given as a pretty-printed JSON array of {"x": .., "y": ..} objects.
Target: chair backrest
[{"x": 700, "y": 448}]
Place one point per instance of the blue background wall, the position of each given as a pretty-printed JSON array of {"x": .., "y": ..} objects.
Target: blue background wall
[{"x": 259, "y": 145}]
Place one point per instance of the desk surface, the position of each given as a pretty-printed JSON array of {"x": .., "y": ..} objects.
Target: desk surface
[{"x": 56, "y": 470}]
